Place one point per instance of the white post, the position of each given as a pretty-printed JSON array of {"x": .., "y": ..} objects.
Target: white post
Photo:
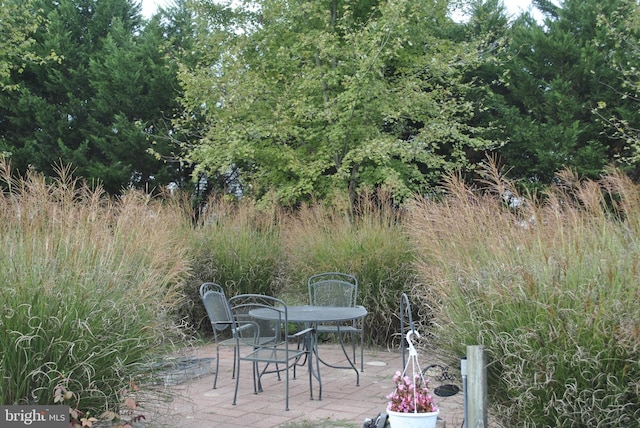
[
  {"x": 463, "y": 372},
  {"x": 476, "y": 387}
]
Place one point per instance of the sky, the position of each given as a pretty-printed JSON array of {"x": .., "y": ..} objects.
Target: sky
[{"x": 513, "y": 6}]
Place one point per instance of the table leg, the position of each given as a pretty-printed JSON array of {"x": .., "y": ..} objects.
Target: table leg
[
  {"x": 314, "y": 351},
  {"x": 311, "y": 345},
  {"x": 346, "y": 354}
]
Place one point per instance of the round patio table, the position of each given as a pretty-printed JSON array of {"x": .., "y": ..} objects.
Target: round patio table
[{"x": 311, "y": 315}]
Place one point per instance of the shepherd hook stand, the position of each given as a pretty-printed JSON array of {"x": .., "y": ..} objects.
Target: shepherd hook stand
[{"x": 413, "y": 360}]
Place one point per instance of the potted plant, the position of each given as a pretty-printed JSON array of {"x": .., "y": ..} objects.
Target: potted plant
[{"x": 411, "y": 404}]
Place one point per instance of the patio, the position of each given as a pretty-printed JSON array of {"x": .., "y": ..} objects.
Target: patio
[{"x": 343, "y": 404}]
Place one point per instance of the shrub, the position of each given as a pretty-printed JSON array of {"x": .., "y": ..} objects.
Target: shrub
[{"x": 549, "y": 288}]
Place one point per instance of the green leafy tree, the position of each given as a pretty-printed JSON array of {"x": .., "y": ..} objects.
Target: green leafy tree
[
  {"x": 487, "y": 23},
  {"x": 17, "y": 24},
  {"x": 623, "y": 27},
  {"x": 98, "y": 107},
  {"x": 303, "y": 99}
]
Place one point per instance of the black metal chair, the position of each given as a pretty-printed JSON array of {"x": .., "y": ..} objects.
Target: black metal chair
[
  {"x": 262, "y": 329},
  {"x": 219, "y": 312},
  {"x": 337, "y": 289}
]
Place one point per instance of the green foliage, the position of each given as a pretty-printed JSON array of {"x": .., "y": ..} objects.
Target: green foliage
[
  {"x": 101, "y": 105},
  {"x": 549, "y": 289},
  {"x": 302, "y": 99},
  {"x": 86, "y": 290},
  {"x": 551, "y": 76},
  {"x": 239, "y": 247},
  {"x": 19, "y": 22},
  {"x": 622, "y": 25}
]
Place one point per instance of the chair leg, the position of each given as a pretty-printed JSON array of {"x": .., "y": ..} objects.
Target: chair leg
[
  {"x": 235, "y": 355},
  {"x": 257, "y": 378},
  {"x": 310, "y": 344},
  {"x": 235, "y": 394},
  {"x": 286, "y": 387},
  {"x": 215, "y": 378}
]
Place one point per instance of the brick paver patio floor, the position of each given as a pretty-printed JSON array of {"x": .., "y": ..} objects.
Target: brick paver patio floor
[{"x": 195, "y": 404}]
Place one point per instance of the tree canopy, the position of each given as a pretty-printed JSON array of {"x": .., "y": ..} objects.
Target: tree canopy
[
  {"x": 294, "y": 100},
  {"x": 554, "y": 74},
  {"x": 308, "y": 98},
  {"x": 97, "y": 104}
]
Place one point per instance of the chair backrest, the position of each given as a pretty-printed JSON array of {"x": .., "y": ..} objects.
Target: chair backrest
[
  {"x": 210, "y": 286},
  {"x": 333, "y": 289},
  {"x": 217, "y": 306},
  {"x": 254, "y": 330}
]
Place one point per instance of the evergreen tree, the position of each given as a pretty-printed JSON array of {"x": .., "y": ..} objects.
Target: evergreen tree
[
  {"x": 95, "y": 107},
  {"x": 553, "y": 76}
]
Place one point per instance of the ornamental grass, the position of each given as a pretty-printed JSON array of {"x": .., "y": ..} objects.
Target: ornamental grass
[
  {"x": 87, "y": 286},
  {"x": 549, "y": 285}
]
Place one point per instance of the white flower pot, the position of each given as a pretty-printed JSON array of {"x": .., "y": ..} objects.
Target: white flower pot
[{"x": 413, "y": 420}]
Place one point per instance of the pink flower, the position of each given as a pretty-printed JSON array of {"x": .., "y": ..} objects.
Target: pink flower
[{"x": 411, "y": 396}]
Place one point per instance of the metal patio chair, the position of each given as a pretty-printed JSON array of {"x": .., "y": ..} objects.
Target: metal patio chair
[
  {"x": 338, "y": 289},
  {"x": 219, "y": 312},
  {"x": 262, "y": 329}
]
